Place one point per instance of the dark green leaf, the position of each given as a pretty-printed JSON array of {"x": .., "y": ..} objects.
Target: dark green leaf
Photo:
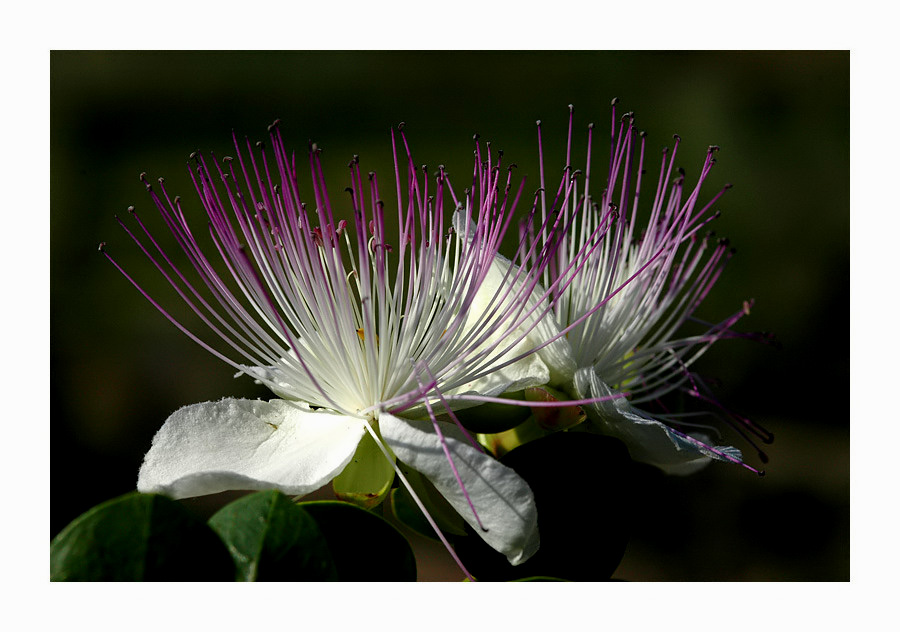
[
  {"x": 406, "y": 510},
  {"x": 139, "y": 537},
  {"x": 273, "y": 539},
  {"x": 493, "y": 417},
  {"x": 364, "y": 546},
  {"x": 584, "y": 489}
]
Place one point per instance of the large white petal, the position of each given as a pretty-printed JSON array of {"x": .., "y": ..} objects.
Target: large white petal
[
  {"x": 557, "y": 356},
  {"x": 530, "y": 370},
  {"x": 248, "y": 444},
  {"x": 273, "y": 377},
  {"x": 503, "y": 500},
  {"x": 649, "y": 441},
  {"x": 553, "y": 363}
]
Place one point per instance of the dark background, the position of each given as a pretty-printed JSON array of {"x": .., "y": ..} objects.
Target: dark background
[{"x": 118, "y": 368}]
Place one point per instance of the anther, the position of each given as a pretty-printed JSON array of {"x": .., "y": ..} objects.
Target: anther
[
  {"x": 614, "y": 101},
  {"x": 260, "y": 144},
  {"x": 538, "y": 122},
  {"x": 476, "y": 136},
  {"x": 728, "y": 186},
  {"x": 371, "y": 175},
  {"x": 101, "y": 246},
  {"x": 590, "y": 126},
  {"x": 571, "y": 108},
  {"x": 401, "y": 125},
  {"x": 627, "y": 115},
  {"x": 274, "y": 124},
  {"x": 676, "y": 137},
  {"x": 193, "y": 155},
  {"x": 130, "y": 209},
  {"x": 143, "y": 177},
  {"x": 642, "y": 134},
  {"x": 713, "y": 148}
]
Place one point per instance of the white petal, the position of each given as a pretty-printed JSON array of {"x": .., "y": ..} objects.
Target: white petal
[
  {"x": 503, "y": 500},
  {"x": 557, "y": 356},
  {"x": 248, "y": 444},
  {"x": 272, "y": 377},
  {"x": 649, "y": 441}
]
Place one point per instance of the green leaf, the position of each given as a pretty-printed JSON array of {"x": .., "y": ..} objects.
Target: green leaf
[
  {"x": 492, "y": 417},
  {"x": 273, "y": 539},
  {"x": 139, "y": 537},
  {"x": 585, "y": 492},
  {"x": 364, "y": 546},
  {"x": 406, "y": 510}
]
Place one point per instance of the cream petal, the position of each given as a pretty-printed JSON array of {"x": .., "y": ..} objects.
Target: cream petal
[
  {"x": 649, "y": 441},
  {"x": 238, "y": 444},
  {"x": 556, "y": 358},
  {"x": 273, "y": 377},
  {"x": 553, "y": 363},
  {"x": 503, "y": 500}
]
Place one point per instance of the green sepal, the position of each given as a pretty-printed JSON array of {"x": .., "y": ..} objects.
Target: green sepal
[
  {"x": 492, "y": 417},
  {"x": 364, "y": 546},
  {"x": 501, "y": 443},
  {"x": 406, "y": 510},
  {"x": 366, "y": 480},
  {"x": 557, "y": 417},
  {"x": 139, "y": 537},
  {"x": 273, "y": 539}
]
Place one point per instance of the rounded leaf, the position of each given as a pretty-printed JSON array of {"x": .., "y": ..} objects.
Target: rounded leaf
[
  {"x": 273, "y": 539},
  {"x": 139, "y": 537},
  {"x": 493, "y": 417},
  {"x": 583, "y": 489},
  {"x": 364, "y": 546}
]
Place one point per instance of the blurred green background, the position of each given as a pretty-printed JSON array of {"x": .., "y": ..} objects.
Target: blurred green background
[{"x": 118, "y": 368}]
